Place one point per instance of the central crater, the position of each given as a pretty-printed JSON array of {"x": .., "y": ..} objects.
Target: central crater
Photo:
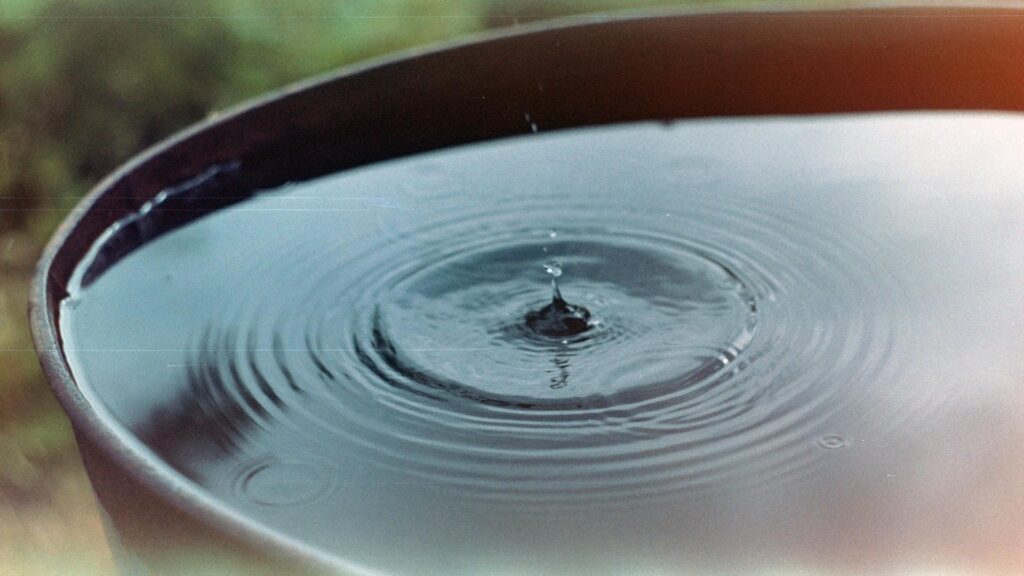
[
  {"x": 592, "y": 321},
  {"x": 559, "y": 319}
]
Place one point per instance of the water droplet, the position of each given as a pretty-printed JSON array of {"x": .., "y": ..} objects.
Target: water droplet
[
  {"x": 553, "y": 267},
  {"x": 833, "y": 442},
  {"x": 529, "y": 120}
]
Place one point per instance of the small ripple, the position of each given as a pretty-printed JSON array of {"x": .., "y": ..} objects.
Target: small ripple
[
  {"x": 833, "y": 441},
  {"x": 274, "y": 482}
]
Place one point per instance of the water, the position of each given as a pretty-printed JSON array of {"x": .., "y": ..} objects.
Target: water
[{"x": 785, "y": 345}]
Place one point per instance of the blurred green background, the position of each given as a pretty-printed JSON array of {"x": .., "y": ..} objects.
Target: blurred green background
[{"x": 84, "y": 85}]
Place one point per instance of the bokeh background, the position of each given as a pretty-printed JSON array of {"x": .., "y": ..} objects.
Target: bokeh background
[{"x": 84, "y": 85}]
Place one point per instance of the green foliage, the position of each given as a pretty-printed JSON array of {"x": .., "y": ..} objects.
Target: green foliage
[
  {"x": 81, "y": 94},
  {"x": 84, "y": 86}
]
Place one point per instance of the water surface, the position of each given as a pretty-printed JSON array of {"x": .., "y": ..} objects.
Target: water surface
[{"x": 803, "y": 350}]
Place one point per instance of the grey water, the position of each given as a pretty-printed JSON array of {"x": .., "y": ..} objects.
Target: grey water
[{"x": 786, "y": 345}]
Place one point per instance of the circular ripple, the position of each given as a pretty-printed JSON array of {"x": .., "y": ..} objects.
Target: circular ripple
[
  {"x": 725, "y": 332},
  {"x": 833, "y": 441},
  {"x": 643, "y": 297},
  {"x": 274, "y": 482},
  {"x": 722, "y": 339}
]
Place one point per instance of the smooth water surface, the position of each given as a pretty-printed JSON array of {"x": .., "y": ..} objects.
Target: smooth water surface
[{"x": 795, "y": 346}]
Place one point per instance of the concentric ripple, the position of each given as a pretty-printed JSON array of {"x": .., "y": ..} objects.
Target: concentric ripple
[
  {"x": 702, "y": 353},
  {"x": 643, "y": 297},
  {"x": 722, "y": 331},
  {"x": 719, "y": 338}
]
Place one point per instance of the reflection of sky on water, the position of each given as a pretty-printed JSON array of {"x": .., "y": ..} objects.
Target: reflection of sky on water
[{"x": 931, "y": 476}]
